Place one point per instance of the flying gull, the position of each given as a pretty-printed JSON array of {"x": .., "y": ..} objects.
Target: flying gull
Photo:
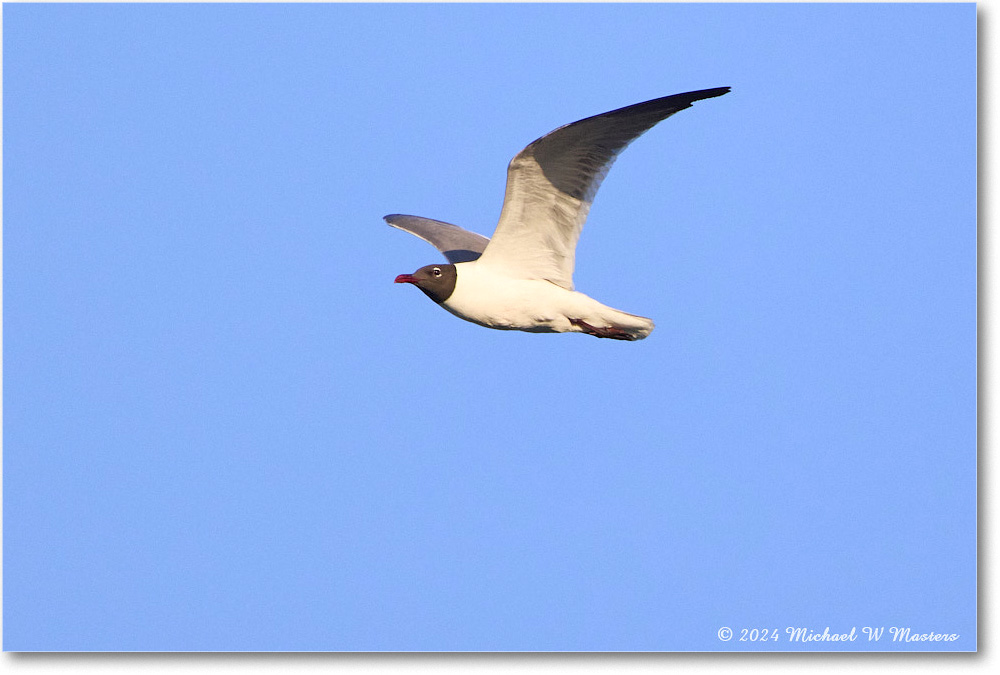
[{"x": 522, "y": 278}]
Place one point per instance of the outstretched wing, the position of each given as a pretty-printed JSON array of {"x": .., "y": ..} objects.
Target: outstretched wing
[
  {"x": 552, "y": 182},
  {"x": 458, "y": 245}
]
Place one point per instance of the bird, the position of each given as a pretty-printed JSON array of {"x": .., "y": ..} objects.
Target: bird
[{"x": 522, "y": 277}]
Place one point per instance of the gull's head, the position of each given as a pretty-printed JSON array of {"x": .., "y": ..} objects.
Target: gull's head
[{"x": 436, "y": 281}]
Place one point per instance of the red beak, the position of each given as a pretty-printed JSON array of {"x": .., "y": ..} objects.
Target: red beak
[{"x": 405, "y": 279}]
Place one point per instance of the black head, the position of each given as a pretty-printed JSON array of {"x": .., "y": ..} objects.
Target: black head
[{"x": 437, "y": 281}]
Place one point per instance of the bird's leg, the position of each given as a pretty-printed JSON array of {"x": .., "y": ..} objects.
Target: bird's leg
[{"x": 612, "y": 332}]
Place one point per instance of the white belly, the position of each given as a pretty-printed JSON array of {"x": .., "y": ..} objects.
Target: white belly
[{"x": 484, "y": 297}]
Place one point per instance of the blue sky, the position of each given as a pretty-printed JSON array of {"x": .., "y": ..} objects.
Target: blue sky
[{"x": 225, "y": 428}]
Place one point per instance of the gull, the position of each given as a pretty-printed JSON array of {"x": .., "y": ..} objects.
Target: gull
[{"x": 522, "y": 278}]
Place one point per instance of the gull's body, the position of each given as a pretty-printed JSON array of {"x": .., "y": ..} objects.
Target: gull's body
[
  {"x": 522, "y": 279},
  {"x": 486, "y": 296}
]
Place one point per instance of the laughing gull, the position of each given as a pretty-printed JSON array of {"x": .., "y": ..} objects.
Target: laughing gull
[{"x": 522, "y": 278}]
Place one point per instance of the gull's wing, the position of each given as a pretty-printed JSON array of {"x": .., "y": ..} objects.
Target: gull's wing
[
  {"x": 458, "y": 245},
  {"x": 552, "y": 182}
]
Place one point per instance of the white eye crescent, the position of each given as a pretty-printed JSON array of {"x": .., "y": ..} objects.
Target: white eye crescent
[{"x": 436, "y": 271}]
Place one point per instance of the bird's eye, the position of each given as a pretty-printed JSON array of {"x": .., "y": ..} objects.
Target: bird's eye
[{"x": 436, "y": 271}]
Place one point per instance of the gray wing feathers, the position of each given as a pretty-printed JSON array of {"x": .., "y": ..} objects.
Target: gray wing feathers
[
  {"x": 457, "y": 244},
  {"x": 575, "y": 158},
  {"x": 552, "y": 182}
]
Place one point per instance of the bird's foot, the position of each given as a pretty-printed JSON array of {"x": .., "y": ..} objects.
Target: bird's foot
[{"x": 612, "y": 332}]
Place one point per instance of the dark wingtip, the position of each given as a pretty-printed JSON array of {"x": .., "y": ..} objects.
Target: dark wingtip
[
  {"x": 667, "y": 105},
  {"x": 701, "y": 94}
]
